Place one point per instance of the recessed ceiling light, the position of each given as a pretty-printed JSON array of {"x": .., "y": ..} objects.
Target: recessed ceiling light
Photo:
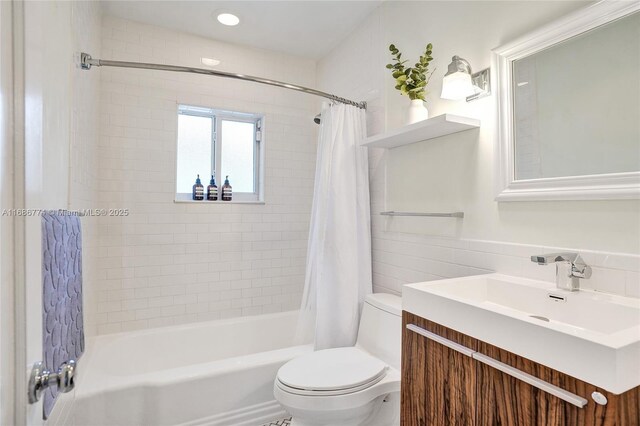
[
  {"x": 210, "y": 62},
  {"x": 228, "y": 19}
]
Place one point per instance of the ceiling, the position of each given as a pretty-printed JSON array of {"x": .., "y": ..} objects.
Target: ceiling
[{"x": 303, "y": 28}]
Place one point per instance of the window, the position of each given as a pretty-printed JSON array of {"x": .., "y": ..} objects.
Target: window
[{"x": 220, "y": 143}]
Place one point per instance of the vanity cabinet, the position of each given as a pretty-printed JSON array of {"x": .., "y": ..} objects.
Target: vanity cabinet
[
  {"x": 443, "y": 390},
  {"x": 449, "y": 378}
]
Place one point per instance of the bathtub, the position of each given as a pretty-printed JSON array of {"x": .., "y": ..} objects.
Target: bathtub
[{"x": 214, "y": 373}]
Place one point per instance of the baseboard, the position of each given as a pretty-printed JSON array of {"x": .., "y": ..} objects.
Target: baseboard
[{"x": 248, "y": 416}]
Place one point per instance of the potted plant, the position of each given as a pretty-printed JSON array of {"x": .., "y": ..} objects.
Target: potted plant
[{"x": 412, "y": 81}]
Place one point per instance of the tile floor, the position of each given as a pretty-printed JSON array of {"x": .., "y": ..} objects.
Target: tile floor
[{"x": 283, "y": 422}]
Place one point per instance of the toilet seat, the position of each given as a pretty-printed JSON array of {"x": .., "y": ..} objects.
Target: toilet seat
[
  {"x": 331, "y": 372},
  {"x": 337, "y": 392},
  {"x": 323, "y": 402}
]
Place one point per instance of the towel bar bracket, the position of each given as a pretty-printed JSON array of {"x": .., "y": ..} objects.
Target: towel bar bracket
[{"x": 41, "y": 379}]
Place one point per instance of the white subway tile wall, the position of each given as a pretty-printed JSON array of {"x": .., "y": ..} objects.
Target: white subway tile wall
[
  {"x": 83, "y": 161},
  {"x": 400, "y": 259},
  {"x": 169, "y": 263}
]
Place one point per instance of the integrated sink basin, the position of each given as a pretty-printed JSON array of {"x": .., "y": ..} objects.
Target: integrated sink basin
[
  {"x": 571, "y": 311},
  {"x": 592, "y": 336}
]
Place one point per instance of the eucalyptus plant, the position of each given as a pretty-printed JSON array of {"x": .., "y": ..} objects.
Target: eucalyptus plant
[{"x": 411, "y": 81}]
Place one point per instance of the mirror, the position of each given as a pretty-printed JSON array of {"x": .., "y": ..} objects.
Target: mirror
[
  {"x": 577, "y": 105},
  {"x": 569, "y": 106}
]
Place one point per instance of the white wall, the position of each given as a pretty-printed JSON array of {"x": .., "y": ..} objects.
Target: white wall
[
  {"x": 60, "y": 116},
  {"x": 170, "y": 263},
  {"x": 7, "y": 362},
  {"x": 455, "y": 173}
]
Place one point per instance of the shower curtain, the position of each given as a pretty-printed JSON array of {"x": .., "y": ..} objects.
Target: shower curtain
[{"x": 338, "y": 272}]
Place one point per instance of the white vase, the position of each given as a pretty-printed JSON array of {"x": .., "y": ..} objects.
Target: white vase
[{"x": 417, "y": 112}]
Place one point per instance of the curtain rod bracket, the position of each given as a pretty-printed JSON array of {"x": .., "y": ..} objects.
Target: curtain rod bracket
[{"x": 86, "y": 62}]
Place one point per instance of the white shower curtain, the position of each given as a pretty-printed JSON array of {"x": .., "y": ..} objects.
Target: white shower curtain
[{"x": 338, "y": 274}]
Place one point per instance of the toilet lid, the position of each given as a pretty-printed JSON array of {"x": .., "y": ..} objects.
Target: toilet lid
[{"x": 332, "y": 369}]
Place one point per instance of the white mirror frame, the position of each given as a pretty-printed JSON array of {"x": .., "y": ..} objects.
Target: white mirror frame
[{"x": 588, "y": 187}]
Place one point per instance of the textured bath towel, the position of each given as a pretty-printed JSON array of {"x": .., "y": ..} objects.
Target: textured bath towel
[{"x": 63, "y": 329}]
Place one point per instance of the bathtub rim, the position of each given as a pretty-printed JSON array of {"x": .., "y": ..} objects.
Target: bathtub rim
[
  {"x": 188, "y": 325},
  {"x": 91, "y": 381}
]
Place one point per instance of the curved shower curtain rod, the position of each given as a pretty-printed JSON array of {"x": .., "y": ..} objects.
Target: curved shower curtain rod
[{"x": 86, "y": 62}]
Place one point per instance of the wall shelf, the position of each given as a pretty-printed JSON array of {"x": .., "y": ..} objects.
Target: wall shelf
[{"x": 441, "y": 125}]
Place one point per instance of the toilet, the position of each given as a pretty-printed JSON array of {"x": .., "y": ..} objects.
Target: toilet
[{"x": 351, "y": 386}]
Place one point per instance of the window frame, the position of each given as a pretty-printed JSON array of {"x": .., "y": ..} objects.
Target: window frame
[{"x": 217, "y": 116}]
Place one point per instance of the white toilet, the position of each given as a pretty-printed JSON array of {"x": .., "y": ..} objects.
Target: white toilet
[{"x": 358, "y": 385}]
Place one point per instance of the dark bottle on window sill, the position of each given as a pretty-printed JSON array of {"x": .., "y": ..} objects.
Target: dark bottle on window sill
[
  {"x": 198, "y": 190},
  {"x": 212, "y": 190},
  {"x": 226, "y": 190}
]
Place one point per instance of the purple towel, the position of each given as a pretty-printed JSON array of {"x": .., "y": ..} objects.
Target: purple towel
[{"x": 63, "y": 329}]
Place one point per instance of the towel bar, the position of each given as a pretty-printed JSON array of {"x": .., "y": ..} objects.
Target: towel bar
[{"x": 394, "y": 213}]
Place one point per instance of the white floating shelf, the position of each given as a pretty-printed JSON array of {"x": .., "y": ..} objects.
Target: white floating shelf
[{"x": 431, "y": 128}]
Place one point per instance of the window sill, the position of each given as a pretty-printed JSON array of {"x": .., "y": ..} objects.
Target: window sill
[{"x": 218, "y": 202}]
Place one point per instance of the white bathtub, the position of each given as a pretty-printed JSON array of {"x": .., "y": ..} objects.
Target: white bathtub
[{"x": 213, "y": 373}]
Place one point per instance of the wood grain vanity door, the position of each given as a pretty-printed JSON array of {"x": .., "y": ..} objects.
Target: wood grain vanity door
[
  {"x": 504, "y": 400},
  {"x": 439, "y": 384}
]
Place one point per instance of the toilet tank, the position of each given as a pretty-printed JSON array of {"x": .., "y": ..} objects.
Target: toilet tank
[{"x": 380, "y": 331}]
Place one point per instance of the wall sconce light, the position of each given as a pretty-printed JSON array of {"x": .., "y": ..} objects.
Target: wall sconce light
[{"x": 459, "y": 82}]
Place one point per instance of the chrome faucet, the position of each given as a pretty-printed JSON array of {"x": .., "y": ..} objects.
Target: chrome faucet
[{"x": 569, "y": 267}]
